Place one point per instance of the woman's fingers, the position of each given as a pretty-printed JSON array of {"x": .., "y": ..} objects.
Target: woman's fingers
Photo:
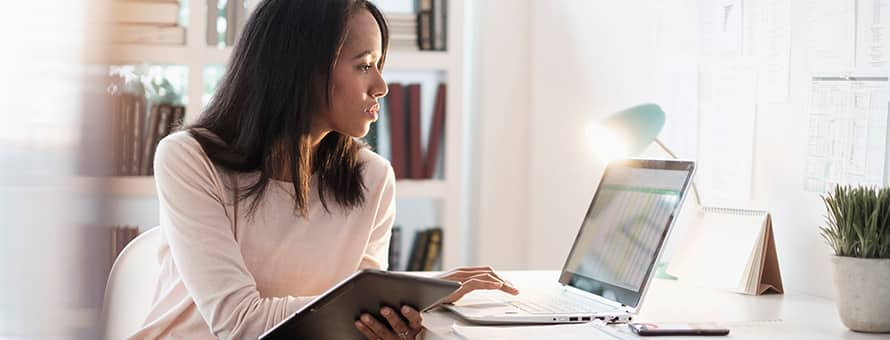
[
  {"x": 502, "y": 285},
  {"x": 415, "y": 320},
  {"x": 474, "y": 284},
  {"x": 367, "y": 332},
  {"x": 377, "y": 328},
  {"x": 395, "y": 321},
  {"x": 464, "y": 273}
]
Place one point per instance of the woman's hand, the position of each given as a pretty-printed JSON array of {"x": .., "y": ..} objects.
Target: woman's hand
[
  {"x": 398, "y": 328},
  {"x": 473, "y": 278}
]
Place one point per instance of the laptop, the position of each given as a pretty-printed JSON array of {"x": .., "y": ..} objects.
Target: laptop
[{"x": 614, "y": 255}]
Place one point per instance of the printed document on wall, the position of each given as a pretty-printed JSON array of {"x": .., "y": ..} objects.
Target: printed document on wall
[
  {"x": 830, "y": 30},
  {"x": 726, "y": 131},
  {"x": 847, "y": 132},
  {"x": 872, "y": 40}
]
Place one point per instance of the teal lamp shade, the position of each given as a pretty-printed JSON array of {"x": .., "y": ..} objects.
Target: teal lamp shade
[{"x": 628, "y": 132}]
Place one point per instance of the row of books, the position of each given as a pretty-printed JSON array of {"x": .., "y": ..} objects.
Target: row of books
[
  {"x": 136, "y": 131},
  {"x": 426, "y": 250},
  {"x": 149, "y": 22},
  {"x": 432, "y": 25},
  {"x": 401, "y": 109},
  {"x": 422, "y": 26}
]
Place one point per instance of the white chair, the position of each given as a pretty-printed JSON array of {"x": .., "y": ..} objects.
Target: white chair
[{"x": 131, "y": 286}]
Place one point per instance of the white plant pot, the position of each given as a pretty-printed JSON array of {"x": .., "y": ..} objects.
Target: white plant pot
[{"x": 863, "y": 293}]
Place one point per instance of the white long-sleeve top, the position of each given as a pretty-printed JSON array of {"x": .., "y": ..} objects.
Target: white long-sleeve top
[{"x": 228, "y": 280}]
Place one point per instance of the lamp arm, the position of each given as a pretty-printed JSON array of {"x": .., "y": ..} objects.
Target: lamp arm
[{"x": 674, "y": 156}]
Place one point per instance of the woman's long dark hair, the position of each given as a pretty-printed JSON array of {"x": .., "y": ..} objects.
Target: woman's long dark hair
[{"x": 278, "y": 75}]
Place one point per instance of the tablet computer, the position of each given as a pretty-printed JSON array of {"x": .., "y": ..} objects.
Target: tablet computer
[{"x": 332, "y": 315}]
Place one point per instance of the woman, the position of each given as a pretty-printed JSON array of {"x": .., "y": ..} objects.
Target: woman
[{"x": 269, "y": 199}]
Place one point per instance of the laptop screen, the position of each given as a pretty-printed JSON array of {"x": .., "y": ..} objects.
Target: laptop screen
[{"x": 625, "y": 228}]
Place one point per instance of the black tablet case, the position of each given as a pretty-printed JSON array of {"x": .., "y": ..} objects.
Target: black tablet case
[{"x": 333, "y": 315}]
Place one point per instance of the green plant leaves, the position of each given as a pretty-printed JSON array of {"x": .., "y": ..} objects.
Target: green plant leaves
[{"x": 858, "y": 221}]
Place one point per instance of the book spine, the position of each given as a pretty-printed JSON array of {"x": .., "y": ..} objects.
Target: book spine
[
  {"x": 433, "y": 249},
  {"x": 395, "y": 248},
  {"x": 126, "y": 135},
  {"x": 116, "y": 128},
  {"x": 415, "y": 152},
  {"x": 165, "y": 115},
  {"x": 436, "y": 133},
  {"x": 151, "y": 141},
  {"x": 418, "y": 250},
  {"x": 397, "y": 130},
  {"x": 178, "y": 118},
  {"x": 138, "y": 134},
  {"x": 424, "y": 34},
  {"x": 439, "y": 23}
]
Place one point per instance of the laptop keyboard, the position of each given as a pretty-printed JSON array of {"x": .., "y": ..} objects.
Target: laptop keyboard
[{"x": 557, "y": 304}]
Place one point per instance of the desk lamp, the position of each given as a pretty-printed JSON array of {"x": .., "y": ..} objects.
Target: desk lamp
[{"x": 628, "y": 132}]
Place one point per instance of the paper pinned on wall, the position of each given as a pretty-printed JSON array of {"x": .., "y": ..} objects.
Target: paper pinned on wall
[
  {"x": 768, "y": 39},
  {"x": 847, "y": 140},
  {"x": 721, "y": 28},
  {"x": 872, "y": 39},
  {"x": 726, "y": 131},
  {"x": 830, "y": 35}
]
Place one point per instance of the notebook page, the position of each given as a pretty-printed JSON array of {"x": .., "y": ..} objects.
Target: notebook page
[{"x": 718, "y": 248}]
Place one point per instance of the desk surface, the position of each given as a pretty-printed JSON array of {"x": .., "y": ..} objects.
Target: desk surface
[{"x": 788, "y": 316}]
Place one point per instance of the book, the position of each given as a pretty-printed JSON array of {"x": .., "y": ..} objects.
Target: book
[
  {"x": 434, "y": 142},
  {"x": 395, "y": 248},
  {"x": 439, "y": 20},
  {"x": 178, "y": 118},
  {"x": 151, "y": 141},
  {"x": 116, "y": 137},
  {"x": 165, "y": 115},
  {"x": 424, "y": 30},
  {"x": 425, "y": 24},
  {"x": 146, "y": 12},
  {"x": 138, "y": 119},
  {"x": 730, "y": 249},
  {"x": 433, "y": 249},
  {"x": 418, "y": 250},
  {"x": 149, "y": 34},
  {"x": 415, "y": 147},
  {"x": 397, "y": 137},
  {"x": 126, "y": 133}
]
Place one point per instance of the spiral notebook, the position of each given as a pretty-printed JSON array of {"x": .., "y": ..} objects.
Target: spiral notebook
[{"x": 729, "y": 248}]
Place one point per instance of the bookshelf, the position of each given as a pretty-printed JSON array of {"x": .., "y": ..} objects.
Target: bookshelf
[{"x": 448, "y": 192}]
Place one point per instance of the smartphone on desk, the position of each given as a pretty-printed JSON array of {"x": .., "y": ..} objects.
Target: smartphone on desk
[{"x": 656, "y": 329}]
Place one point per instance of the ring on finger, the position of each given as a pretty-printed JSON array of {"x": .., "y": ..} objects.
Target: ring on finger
[{"x": 403, "y": 335}]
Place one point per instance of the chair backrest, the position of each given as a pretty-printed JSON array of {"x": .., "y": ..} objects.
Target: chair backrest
[{"x": 131, "y": 286}]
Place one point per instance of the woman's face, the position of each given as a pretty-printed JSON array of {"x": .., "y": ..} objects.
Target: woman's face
[{"x": 357, "y": 82}]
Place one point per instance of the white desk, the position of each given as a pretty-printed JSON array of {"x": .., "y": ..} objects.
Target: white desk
[{"x": 788, "y": 316}]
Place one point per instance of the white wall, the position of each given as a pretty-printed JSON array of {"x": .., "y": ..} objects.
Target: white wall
[
  {"x": 590, "y": 59},
  {"x": 584, "y": 61},
  {"x": 498, "y": 96}
]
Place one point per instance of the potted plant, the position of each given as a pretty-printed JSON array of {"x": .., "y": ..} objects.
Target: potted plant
[{"x": 858, "y": 229}]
